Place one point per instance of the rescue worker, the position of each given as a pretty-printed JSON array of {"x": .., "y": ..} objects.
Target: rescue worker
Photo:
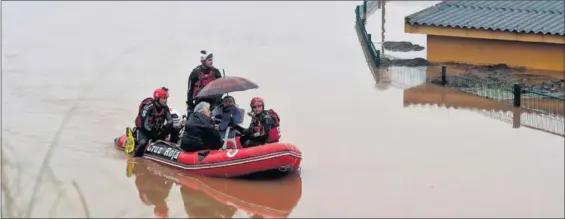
[
  {"x": 199, "y": 131},
  {"x": 200, "y": 76},
  {"x": 150, "y": 121},
  {"x": 227, "y": 115},
  {"x": 264, "y": 126}
]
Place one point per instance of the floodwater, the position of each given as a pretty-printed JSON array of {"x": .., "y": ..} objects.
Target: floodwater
[{"x": 73, "y": 74}]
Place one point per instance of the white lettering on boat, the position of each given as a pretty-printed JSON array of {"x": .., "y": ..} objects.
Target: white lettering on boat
[{"x": 168, "y": 152}]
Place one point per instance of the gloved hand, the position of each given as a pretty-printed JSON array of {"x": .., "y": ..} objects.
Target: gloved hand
[{"x": 177, "y": 123}]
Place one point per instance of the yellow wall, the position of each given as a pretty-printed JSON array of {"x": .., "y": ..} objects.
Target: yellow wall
[{"x": 546, "y": 56}]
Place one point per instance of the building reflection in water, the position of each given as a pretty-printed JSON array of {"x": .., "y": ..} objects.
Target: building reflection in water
[
  {"x": 428, "y": 94},
  {"x": 399, "y": 77}
]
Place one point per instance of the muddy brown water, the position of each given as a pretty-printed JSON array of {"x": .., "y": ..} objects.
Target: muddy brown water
[{"x": 74, "y": 72}]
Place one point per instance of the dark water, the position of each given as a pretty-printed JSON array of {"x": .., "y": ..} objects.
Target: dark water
[{"x": 74, "y": 72}]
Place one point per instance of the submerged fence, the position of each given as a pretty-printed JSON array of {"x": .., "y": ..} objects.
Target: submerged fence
[
  {"x": 539, "y": 121},
  {"x": 361, "y": 13},
  {"x": 514, "y": 94}
]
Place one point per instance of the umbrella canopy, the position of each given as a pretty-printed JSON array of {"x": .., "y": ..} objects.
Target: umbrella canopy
[{"x": 226, "y": 85}]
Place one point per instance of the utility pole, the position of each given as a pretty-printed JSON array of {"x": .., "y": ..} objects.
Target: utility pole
[{"x": 382, "y": 6}]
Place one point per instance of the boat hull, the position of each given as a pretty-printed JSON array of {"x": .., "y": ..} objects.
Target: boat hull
[{"x": 274, "y": 157}]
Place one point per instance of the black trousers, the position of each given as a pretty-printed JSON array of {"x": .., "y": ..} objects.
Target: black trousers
[
  {"x": 247, "y": 140},
  {"x": 190, "y": 144}
]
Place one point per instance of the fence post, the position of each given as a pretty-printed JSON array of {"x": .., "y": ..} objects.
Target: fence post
[
  {"x": 378, "y": 61},
  {"x": 369, "y": 41},
  {"x": 516, "y": 118},
  {"x": 517, "y": 94},
  {"x": 364, "y": 11},
  {"x": 357, "y": 10},
  {"x": 443, "y": 75}
]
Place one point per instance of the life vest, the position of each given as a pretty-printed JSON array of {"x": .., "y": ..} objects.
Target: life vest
[
  {"x": 157, "y": 118},
  {"x": 203, "y": 80},
  {"x": 257, "y": 124}
]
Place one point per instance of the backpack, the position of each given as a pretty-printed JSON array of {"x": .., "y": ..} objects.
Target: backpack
[
  {"x": 143, "y": 103},
  {"x": 274, "y": 133}
]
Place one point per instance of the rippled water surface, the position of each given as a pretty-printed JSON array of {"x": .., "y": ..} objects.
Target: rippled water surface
[{"x": 73, "y": 74}]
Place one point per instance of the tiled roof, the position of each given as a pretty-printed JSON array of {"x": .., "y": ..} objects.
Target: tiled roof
[{"x": 545, "y": 17}]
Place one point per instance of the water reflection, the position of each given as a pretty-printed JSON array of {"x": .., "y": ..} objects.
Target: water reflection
[
  {"x": 153, "y": 189},
  {"x": 398, "y": 77},
  {"x": 428, "y": 94},
  {"x": 205, "y": 197}
]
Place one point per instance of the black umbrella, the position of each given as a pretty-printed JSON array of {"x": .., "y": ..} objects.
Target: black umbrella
[{"x": 226, "y": 85}]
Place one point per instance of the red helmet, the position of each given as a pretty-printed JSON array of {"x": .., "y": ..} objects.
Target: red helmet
[
  {"x": 160, "y": 92},
  {"x": 257, "y": 101}
]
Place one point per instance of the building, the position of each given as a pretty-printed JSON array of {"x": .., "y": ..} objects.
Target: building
[{"x": 517, "y": 33}]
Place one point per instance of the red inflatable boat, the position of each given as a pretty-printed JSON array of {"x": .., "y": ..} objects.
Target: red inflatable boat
[
  {"x": 267, "y": 199},
  {"x": 274, "y": 157}
]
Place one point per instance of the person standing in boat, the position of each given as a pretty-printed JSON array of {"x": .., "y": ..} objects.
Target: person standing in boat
[
  {"x": 264, "y": 126},
  {"x": 200, "y": 76},
  {"x": 150, "y": 121},
  {"x": 228, "y": 115},
  {"x": 199, "y": 131}
]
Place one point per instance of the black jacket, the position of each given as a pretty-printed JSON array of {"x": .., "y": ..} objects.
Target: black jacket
[
  {"x": 200, "y": 133},
  {"x": 151, "y": 124},
  {"x": 194, "y": 77}
]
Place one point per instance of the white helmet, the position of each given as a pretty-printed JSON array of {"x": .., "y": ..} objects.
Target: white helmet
[{"x": 205, "y": 55}]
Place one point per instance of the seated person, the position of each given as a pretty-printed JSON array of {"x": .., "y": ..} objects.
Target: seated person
[
  {"x": 228, "y": 115},
  {"x": 264, "y": 127},
  {"x": 199, "y": 131}
]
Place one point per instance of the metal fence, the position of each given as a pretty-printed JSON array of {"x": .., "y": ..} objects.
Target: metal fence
[
  {"x": 503, "y": 92},
  {"x": 360, "y": 20}
]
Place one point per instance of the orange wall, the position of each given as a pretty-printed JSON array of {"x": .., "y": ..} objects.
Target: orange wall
[{"x": 531, "y": 55}]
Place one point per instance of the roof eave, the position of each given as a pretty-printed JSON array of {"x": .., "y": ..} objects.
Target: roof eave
[{"x": 483, "y": 34}]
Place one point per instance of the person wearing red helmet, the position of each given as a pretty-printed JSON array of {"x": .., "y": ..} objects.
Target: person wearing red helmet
[
  {"x": 200, "y": 76},
  {"x": 150, "y": 121},
  {"x": 264, "y": 126}
]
